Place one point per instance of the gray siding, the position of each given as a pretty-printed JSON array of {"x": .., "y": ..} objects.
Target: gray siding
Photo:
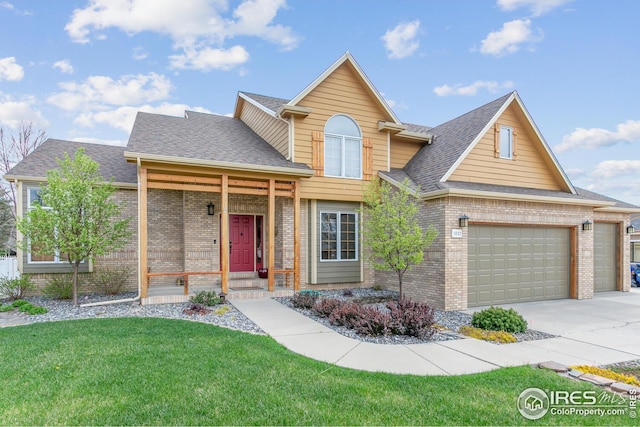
[{"x": 337, "y": 271}]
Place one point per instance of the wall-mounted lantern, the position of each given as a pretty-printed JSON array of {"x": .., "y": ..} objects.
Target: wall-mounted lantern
[
  {"x": 587, "y": 225},
  {"x": 463, "y": 221},
  {"x": 211, "y": 208},
  {"x": 631, "y": 229}
]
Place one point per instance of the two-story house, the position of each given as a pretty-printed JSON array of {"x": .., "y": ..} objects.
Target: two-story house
[{"x": 279, "y": 185}]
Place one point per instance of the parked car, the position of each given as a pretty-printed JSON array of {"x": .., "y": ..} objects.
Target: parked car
[{"x": 635, "y": 270}]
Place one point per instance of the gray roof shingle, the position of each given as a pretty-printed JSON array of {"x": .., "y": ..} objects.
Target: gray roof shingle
[
  {"x": 269, "y": 102},
  {"x": 111, "y": 160},
  {"x": 208, "y": 137},
  {"x": 451, "y": 139}
]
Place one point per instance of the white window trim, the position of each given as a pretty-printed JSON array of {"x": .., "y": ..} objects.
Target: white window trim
[
  {"x": 343, "y": 149},
  {"x": 56, "y": 256},
  {"x": 502, "y": 156},
  {"x": 338, "y": 237}
]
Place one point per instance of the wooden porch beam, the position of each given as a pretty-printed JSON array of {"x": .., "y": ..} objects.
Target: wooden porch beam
[
  {"x": 224, "y": 235},
  {"x": 272, "y": 234},
  {"x": 296, "y": 236},
  {"x": 142, "y": 232},
  {"x": 185, "y": 187},
  {"x": 184, "y": 179}
]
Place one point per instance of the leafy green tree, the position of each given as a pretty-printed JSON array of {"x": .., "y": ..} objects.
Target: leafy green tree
[
  {"x": 77, "y": 217},
  {"x": 391, "y": 229}
]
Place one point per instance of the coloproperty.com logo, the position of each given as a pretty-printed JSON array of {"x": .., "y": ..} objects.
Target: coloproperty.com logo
[{"x": 534, "y": 403}]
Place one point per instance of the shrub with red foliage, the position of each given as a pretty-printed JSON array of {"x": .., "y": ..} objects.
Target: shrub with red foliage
[
  {"x": 412, "y": 318},
  {"x": 325, "y": 307}
]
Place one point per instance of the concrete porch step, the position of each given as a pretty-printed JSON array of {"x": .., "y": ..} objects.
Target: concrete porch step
[{"x": 240, "y": 283}]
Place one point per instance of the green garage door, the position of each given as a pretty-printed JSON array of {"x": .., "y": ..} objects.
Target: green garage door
[
  {"x": 517, "y": 264},
  {"x": 605, "y": 256}
]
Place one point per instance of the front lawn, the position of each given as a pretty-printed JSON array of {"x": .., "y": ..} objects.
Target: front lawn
[{"x": 138, "y": 371}]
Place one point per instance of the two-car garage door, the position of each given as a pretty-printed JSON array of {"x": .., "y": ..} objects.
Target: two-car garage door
[{"x": 516, "y": 264}]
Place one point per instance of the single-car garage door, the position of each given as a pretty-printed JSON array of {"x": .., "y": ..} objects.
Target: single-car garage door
[
  {"x": 517, "y": 264},
  {"x": 605, "y": 257}
]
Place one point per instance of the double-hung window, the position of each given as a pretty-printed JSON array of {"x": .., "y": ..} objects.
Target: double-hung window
[
  {"x": 34, "y": 198},
  {"x": 342, "y": 148},
  {"x": 338, "y": 236}
]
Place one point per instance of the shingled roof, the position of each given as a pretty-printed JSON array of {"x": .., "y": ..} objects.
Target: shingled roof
[
  {"x": 204, "y": 137},
  {"x": 450, "y": 140},
  {"x": 111, "y": 159}
]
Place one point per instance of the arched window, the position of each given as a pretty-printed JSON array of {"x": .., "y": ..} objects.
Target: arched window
[{"x": 342, "y": 148}]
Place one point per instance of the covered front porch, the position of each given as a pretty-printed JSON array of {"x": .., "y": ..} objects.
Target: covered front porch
[{"x": 187, "y": 213}]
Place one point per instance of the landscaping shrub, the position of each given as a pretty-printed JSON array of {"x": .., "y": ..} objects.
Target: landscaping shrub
[
  {"x": 32, "y": 309},
  {"x": 6, "y": 307},
  {"x": 485, "y": 335},
  {"x": 208, "y": 298},
  {"x": 347, "y": 293},
  {"x": 111, "y": 281},
  {"x": 16, "y": 288},
  {"x": 411, "y": 318},
  {"x": 19, "y": 303},
  {"x": 305, "y": 299},
  {"x": 373, "y": 322},
  {"x": 499, "y": 319},
  {"x": 222, "y": 310},
  {"x": 196, "y": 309},
  {"x": 59, "y": 286},
  {"x": 346, "y": 314},
  {"x": 325, "y": 307}
]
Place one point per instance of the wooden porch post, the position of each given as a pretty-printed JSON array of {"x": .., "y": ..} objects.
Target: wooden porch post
[
  {"x": 224, "y": 233},
  {"x": 296, "y": 235},
  {"x": 142, "y": 232},
  {"x": 272, "y": 234}
]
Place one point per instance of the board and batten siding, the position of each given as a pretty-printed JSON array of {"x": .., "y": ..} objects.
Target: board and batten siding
[
  {"x": 530, "y": 167},
  {"x": 272, "y": 130},
  {"x": 332, "y": 271},
  {"x": 340, "y": 93}
]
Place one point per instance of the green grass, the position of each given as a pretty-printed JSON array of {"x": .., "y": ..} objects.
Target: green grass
[{"x": 170, "y": 372}]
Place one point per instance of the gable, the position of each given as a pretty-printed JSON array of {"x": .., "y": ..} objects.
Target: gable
[{"x": 530, "y": 167}]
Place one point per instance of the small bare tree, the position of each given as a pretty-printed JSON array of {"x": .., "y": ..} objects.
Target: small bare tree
[{"x": 16, "y": 144}]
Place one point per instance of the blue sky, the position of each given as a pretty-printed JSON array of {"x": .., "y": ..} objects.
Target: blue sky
[{"x": 82, "y": 69}]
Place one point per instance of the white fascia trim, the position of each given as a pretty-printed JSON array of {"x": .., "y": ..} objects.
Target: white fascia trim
[
  {"x": 619, "y": 210},
  {"x": 596, "y": 204},
  {"x": 398, "y": 184},
  {"x": 346, "y": 57},
  {"x": 16, "y": 178},
  {"x": 256, "y": 104},
  {"x": 217, "y": 164},
  {"x": 471, "y": 146}
]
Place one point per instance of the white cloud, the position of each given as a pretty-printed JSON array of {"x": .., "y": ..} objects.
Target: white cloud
[
  {"x": 208, "y": 58},
  {"x": 10, "y": 69},
  {"x": 64, "y": 65},
  {"x": 509, "y": 38},
  {"x": 97, "y": 91},
  {"x": 472, "y": 89},
  {"x": 614, "y": 178},
  {"x": 194, "y": 26},
  {"x": 10, "y": 6},
  {"x": 537, "y": 7},
  {"x": 617, "y": 168},
  {"x": 13, "y": 111},
  {"x": 401, "y": 41},
  {"x": 139, "y": 53},
  {"x": 628, "y": 131},
  {"x": 123, "y": 117}
]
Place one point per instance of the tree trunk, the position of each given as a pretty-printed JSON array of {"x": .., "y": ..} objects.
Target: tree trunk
[
  {"x": 400, "y": 284},
  {"x": 75, "y": 283}
]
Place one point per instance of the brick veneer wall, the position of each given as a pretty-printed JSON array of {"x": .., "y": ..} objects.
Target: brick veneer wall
[{"x": 441, "y": 279}]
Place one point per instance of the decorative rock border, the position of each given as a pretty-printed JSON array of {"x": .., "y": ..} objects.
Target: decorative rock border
[{"x": 598, "y": 380}]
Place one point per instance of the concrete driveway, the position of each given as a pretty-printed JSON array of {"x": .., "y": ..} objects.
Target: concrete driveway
[{"x": 605, "y": 329}]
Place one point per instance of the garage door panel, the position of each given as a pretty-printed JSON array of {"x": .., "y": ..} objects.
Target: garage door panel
[
  {"x": 605, "y": 257},
  {"x": 517, "y": 264}
]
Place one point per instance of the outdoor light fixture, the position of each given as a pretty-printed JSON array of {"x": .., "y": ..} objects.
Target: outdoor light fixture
[
  {"x": 463, "y": 221},
  {"x": 631, "y": 229},
  {"x": 586, "y": 226},
  {"x": 211, "y": 208},
  {"x": 223, "y": 297}
]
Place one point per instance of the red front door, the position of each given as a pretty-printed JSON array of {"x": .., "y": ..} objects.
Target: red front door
[{"x": 241, "y": 246}]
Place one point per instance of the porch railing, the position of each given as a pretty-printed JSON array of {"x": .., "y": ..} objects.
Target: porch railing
[{"x": 184, "y": 275}]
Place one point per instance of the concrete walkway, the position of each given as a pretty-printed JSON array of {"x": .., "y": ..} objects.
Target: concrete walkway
[{"x": 600, "y": 331}]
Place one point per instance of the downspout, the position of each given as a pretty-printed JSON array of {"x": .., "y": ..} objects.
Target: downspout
[
  {"x": 137, "y": 297},
  {"x": 290, "y": 131}
]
